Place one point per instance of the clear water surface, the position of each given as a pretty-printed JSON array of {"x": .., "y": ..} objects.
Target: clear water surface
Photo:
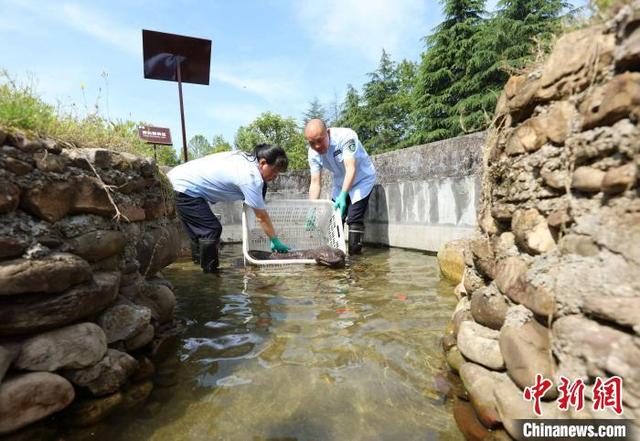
[{"x": 303, "y": 353}]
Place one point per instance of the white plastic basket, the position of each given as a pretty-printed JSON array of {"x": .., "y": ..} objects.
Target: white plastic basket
[{"x": 289, "y": 217}]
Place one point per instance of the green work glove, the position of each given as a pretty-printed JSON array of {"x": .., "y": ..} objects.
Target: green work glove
[
  {"x": 310, "y": 222},
  {"x": 341, "y": 203},
  {"x": 278, "y": 246}
]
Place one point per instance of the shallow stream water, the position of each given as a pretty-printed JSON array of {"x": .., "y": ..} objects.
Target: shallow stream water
[{"x": 304, "y": 353}]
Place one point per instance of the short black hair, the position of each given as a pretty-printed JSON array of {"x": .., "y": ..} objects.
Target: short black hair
[{"x": 273, "y": 154}]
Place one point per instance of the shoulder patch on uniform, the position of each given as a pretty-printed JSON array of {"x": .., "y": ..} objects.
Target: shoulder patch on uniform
[{"x": 350, "y": 145}]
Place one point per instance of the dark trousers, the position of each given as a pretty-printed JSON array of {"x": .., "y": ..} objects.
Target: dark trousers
[
  {"x": 355, "y": 212},
  {"x": 197, "y": 218}
]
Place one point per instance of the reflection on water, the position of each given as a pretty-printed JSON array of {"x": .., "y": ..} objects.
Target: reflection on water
[{"x": 304, "y": 354}]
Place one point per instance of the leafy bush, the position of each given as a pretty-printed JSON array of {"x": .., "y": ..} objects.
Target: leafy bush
[{"x": 22, "y": 108}]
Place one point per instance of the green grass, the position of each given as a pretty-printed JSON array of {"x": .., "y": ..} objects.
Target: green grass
[{"x": 21, "y": 108}]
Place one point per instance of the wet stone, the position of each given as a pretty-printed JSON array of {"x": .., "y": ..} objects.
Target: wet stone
[
  {"x": 89, "y": 412},
  {"x": 72, "y": 347},
  {"x": 135, "y": 395},
  {"x": 39, "y": 312},
  {"x": 123, "y": 321},
  {"x": 145, "y": 370},
  {"x": 512, "y": 407},
  {"x": 468, "y": 422},
  {"x": 27, "y": 398},
  {"x": 527, "y": 351},
  {"x": 480, "y": 384},
  {"x": 99, "y": 245},
  {"x": 140, "y": 339},
  {"x": 164, "y": 301},
  {"x": 106, "y": 376},
  {"x": 8, "y": 353},
  {"x": 489, "y": 307},
  {"x": 483, "y": 256},
  {"x": 480, "y": 344},
  {"x": 451, "y": 260},
  {"x": 54, "y": 273},
  {"x": 454, "y": 358},
  {"x": 472, "y": 280}
]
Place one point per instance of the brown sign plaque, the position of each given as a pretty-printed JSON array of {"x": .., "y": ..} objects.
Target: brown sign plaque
[{"x": 155, "y": 135}]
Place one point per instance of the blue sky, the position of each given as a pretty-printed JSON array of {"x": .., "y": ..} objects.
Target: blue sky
[{"x": 270, "y": 55}]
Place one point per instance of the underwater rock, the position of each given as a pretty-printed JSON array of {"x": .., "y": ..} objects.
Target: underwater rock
[
  {"x": 467, "y": 421},
  {"x": 88, "y": 412}
]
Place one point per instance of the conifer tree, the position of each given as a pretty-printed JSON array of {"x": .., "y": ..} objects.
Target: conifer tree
[
  {"x": 381, "y": 107},
  {"x": 315, "y": 110},
  {"x": 506, "y": 43},
  {"x": 353, "y": 114},
  {"x": 441, "y": 80}
]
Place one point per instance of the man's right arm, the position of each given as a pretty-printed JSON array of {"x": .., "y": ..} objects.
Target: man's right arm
[{"x": 315, "y": 186}]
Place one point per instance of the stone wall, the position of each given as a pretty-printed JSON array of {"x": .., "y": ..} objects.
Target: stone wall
[
  {"x": 83, "y": 310},
  {"x": 551, "y": 281},
  {"x": 425, "y": 195}
]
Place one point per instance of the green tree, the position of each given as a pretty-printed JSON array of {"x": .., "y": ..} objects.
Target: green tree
[
  {"x": 353, "y": 114},
  {"x": 275, "y": 129},
  {"x": 507, "y": 42},
  {"x": 442, "y": 80},
  {"x": 219, "y": 144},
  {"x": 315, "y": 110},
  {"x": 380, "y": 107},
  {"x": 333, "y": 113},
  {"x": 198, "y": 146},
  {"x": 165, "y": 154},
  {"x": 406, "y": 74}
]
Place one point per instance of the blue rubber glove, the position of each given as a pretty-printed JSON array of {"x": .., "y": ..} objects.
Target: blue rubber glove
[
  {"x": 341, "y": 203},
  {"x": 310, "y": 222},
  {"x": 278, "y": 246}
]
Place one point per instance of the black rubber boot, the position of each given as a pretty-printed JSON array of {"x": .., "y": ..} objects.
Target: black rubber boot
[
  {"x": 209, "y": 255},
  {"x": 356, "y": 236},
  {"x": 195, "y": 250}
]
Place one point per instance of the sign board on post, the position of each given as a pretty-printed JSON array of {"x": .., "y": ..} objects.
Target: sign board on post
[
  {"x": 155, "y": 135},
  {"x": 172, "y": 57}
]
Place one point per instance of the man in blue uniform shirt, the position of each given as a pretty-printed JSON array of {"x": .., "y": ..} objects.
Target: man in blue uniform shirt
[
  {"x": 340, "y": 151},
  {"x": 226, "y": 176}
]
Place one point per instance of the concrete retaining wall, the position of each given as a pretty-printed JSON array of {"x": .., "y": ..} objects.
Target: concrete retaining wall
[{"x": 425, "y": 196}]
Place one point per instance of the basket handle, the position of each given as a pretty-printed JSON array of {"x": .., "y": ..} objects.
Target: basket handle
[{"x": 337, "y": 215}]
